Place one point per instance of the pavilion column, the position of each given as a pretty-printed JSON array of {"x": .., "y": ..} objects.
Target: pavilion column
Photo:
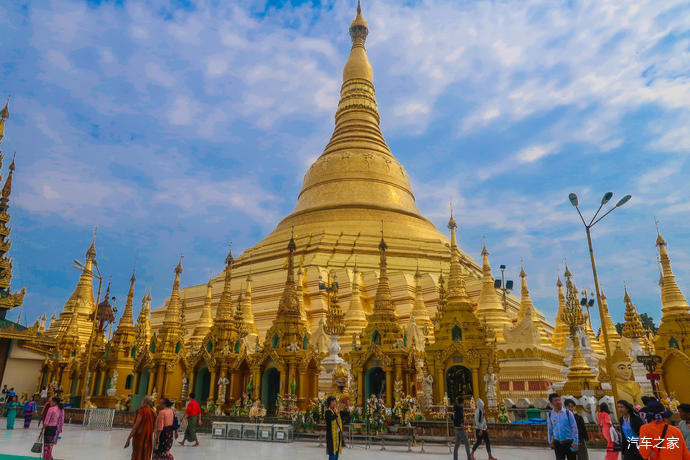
[
  {"x": 291, "y": 377},
  {"x": 212, "y": 392},
  {"x": 398, "y": 371},
  {"x": 475, "y": 383},
  {"x": 440, "y": 382},
  {"x": 389, "y": 388},
  {"x": 360, "y": 388},
  {"x": 301, "y": 393}
]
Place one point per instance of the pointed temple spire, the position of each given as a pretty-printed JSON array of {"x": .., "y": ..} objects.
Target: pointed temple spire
[
  {"x": 561, "y": 332},
  {"x": 614, "y": 336},
  {"x": 127, "y": 320},
  {"x": 8, "y": 300},
  {"x": 456, "y": 283},
  {"x": 632, "y": 328},
  {"x": 419, "y": 313},
  {"x": 224, "y": 313},
  {"x": 300, "y": 294},
  {"x": 289, "y": 301},
  {"x": 247, "y": 309},
  {"x": 142, "y": 329},
  {"x": 490, "y": 309},
  {"x": 527, "y": 308},
  {"x": 205, "y": 323},
  {"x": 355, "y": 318},
  {"x": 673, "y": 300},
  {"x": 172, "y": 313}
]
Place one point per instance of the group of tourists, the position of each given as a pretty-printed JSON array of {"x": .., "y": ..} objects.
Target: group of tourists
[
  {"x": 644, "y": 431},
  {"x": 153, "y": 433}
]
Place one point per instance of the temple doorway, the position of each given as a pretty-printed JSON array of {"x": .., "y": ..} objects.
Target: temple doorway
[
  {"x": 375, "y": 383},
  {"x": 270, "y": 385},
  {"x": 458, "y": 382},
  {"x": 203, "y": 385}
]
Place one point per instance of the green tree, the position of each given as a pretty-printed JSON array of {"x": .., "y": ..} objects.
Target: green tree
[
  {"x": 648, "y": 322},
  {"x": 619, "y": 327}
]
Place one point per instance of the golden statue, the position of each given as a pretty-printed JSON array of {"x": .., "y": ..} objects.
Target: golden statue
[{"x": 628, "y": 388}]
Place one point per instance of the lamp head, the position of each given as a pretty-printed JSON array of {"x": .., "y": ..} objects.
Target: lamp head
[
  {"x": 623, "y": 200},
  {"x": 509, "y": 284},
  {"x": 573, "y": 199},
  {"x": 605, "y": 199}
]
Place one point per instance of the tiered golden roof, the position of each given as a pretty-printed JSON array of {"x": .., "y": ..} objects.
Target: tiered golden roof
[
  {"x": 490, "y": 309},
  {"x": 673, "y": 300},
  {"x": 124, "y": 334},
  {"x": 142, "y": 329},
  {"x": 632, "y": 328}
]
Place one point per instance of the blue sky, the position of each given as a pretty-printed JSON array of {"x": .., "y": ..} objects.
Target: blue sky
[{"x": 178, "y": 126}]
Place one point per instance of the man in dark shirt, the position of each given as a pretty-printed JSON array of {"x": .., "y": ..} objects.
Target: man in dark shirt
[
  {"x": 582, "y": 435},
  {"x": 460, "y": 435}
]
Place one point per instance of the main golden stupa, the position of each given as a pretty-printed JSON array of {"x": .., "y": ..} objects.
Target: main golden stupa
[{"x": 350, "y": 193}]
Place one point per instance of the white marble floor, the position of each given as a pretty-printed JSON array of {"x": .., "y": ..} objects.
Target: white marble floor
[{"x": 77, "y": 443}]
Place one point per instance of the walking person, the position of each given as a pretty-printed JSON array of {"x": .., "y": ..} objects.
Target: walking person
[
  {"x": 481, "y": 429},
  {"x": 459, "y": 425},
  {"x": 630, "y": 423},
  {"x": 334, "y": 429},
  {"x": 12, "y": 408},
  {"x": 164, "y": 431},
  {"x": 28, "y": 411},
  {"x": 142, "y": 431},
  {"x": 193, "y": 416},
  {"x": 583, "y": 437},
  {"x": 52, "y": 427},
  {"x": 562, "y": 430},
  {"x": 683, "y": 425},
  {"x": 659, "y": 440},
  {"x": 607, "y": 430}
]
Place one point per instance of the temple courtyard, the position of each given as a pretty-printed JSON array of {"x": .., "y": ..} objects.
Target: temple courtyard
[{"x": 78, "y": 443}]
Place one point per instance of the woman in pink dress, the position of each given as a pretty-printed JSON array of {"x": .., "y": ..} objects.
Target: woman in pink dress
[
  {"x": 52, "y": 427},
  {"x": 604, "y": 420}
]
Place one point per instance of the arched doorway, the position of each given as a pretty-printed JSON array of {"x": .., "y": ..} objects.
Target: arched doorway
[
  {"x": 458, "y": 382},
  {"x": 141, "y": 389},
  {"x": 270, "y": 385},
  {"x": 202, "y": 389},
  {"x": 375, "y": 382}
]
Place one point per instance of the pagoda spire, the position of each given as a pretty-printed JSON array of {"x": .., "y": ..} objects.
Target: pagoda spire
[
  {"x": 490, "y": 309},
  {"x": 247, "y": 311},
  {"x": 673, "y": 300},
  {"x": 224, "y": 310},
  {"x": 355, "y": 318},
  {"x": 527, "y": 308},
  {"x": 456, "y": 284},
  {"x": 561, "y": 331},
  {"x": 126, "y": 320},
  {"x": 142, "y": 329},
  {"x": 419, "y": 313},
  {"x": 205, "y": 323},
  {"x": 300, "y": 294},
  {"x": 82, "y": 302},
  {"x": 614, "y": 336},
  {"x": 632, "y": 328},
  {"x": 8, "y": 300},
  {"x": 172, "y": 313},
  {"x": 4, "y": 114},
  {"x": 288, "y": 327}
]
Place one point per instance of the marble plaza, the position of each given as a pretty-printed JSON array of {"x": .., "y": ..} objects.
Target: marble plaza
[{"x": 78, "y": 443}]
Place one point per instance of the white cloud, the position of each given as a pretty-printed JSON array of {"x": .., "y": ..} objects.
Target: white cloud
[{"x": 535, "y": 152}]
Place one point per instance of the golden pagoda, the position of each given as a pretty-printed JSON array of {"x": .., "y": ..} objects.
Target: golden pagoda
[
  {"x": 459, "y": 357},
  {"x": 632, "y": 327},
  {"x": 420, "y": 314},
  {"x": 672, "y": 337},
  {"x": 490, "y": 309},
  {"x": 353, "y": 185},
  {"x": 355, "y": 317}
]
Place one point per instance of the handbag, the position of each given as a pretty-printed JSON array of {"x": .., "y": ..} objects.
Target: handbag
[{"x": 37, "y": 448}]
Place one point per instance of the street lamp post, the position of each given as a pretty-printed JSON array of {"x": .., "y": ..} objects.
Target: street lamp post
[
  {"x": 504, "y": 286},
  {"x": 588, "y": 226},
  {"x": 94, "y": 322}
]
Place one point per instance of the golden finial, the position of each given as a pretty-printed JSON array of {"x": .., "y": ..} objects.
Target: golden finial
[
  {"x": 382, "y": 245},
  {"x": 5, "y": 113},
  {"x": 659, "y": 239},
  {"x": 91, "y": 252},
  {"x": 178, "y": 268},
  {"x": 229, "y": 259}
]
